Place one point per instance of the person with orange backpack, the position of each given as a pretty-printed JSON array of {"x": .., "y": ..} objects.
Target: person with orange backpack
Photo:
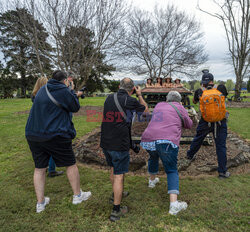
[{"x": 213, "y": 119}]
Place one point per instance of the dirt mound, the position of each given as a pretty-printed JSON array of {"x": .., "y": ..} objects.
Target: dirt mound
[{"x": 88, "y": 151}]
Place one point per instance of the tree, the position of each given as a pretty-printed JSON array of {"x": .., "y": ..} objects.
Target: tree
[
  {"x": 103, "y": 18},
  {"x": 162, "y": 42},
  {"x": 112, "y": 85},
  {"x": 248, "y": 86},
  {"x": 16, "y": 44},
  {"x": 187, "y": 85},
  {"x": 235, "y": 16},
  {"x": 82, "y": 58},
  {"x": 230, "y": 85},
  {"x": 8, "y": 82},
  {"x": 197, "y": 85}
]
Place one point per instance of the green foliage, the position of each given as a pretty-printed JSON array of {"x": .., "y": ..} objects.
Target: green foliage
[
  {"x": 197, "y": 85},
  {"x": 23, "y": 43},
  {"x": 248, "y": 86},
  {"x": 186, "y": 85},
  {"x": 230, "y": 85},
  {"x": 81, "y": 57},
  {"x": 112, "y": 85},
  {"x": 8, "y": 82}
]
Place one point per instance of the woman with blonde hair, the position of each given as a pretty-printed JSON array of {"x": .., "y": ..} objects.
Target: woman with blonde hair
[{"x": 41, "y": 81}]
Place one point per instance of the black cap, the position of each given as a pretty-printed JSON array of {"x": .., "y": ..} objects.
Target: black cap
[{"x": 206, "y": 77}]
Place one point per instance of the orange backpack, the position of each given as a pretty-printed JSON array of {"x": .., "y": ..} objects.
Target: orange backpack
[{"x": 212, "y": 105}]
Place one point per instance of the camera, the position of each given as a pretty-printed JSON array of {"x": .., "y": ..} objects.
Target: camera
[
  {"x": 83, "y": 89},
  {"x": 135, "y": 147}
]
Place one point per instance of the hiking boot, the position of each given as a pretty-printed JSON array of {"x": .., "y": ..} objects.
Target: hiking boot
[
  {"x": 41, "y": 207},
  {"x": 84, "y": 196},
  {"x": 152, "y": 183},
  {"x": 177, "y": 207},
  {"x": 224, "y": 175},
  {"x": 111, "y": 199},
  {"x": 114, "y": 216},
  {"x": 56, "y": 173}
]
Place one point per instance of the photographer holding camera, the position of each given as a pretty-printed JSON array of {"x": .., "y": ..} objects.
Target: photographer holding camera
[
  {"x": 116, "y": 139},
  {"x": 49, "y": 132}
]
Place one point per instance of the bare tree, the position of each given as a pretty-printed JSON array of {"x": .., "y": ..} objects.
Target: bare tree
[
  {"x": 235, "y": 16},
  {"x": 102, "y": 17},
  {"x": 163, "y": 42}
]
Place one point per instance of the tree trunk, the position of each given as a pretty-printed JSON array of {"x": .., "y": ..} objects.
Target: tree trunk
[
  {"x": 237, "y": 89},
  {"x": 23, "y": 84}
]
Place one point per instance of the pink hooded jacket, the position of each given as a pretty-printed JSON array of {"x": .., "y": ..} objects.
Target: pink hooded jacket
[{"x": 166, "y": 123}]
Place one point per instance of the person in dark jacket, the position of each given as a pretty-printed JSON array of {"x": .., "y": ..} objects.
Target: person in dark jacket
[
  {"x": 41, "y": 81},
  {"x": 116, "y": 139},
  {"x": 204, "y": 128},
  {"x": 49, "y": 132}
]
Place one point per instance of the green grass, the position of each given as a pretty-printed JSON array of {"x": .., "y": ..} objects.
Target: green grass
[
  {"x": 214, "y": 205},
  {"x": 239, "y": 121}
]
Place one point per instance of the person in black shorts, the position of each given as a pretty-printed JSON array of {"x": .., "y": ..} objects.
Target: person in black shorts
[
  {"x": 204, "y": 128},
  {"x": 116, "y": 140},
  {"x": 49, "y": 132}
]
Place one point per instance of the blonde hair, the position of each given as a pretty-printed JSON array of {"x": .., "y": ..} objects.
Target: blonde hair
[{"x": 41, "y": 81}]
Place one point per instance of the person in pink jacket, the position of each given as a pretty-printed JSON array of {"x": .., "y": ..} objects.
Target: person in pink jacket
[{"x": 161, "y": 139}]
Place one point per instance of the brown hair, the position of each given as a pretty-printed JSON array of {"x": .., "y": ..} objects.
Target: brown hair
[{"x": 41, "y": 81}]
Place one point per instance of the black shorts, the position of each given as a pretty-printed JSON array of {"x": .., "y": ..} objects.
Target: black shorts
[
  {"x": 119, "y": 160},
  {"x": 59, "y": 148}
]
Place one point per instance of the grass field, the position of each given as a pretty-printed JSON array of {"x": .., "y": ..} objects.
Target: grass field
[{"x": 214, "y": 205}]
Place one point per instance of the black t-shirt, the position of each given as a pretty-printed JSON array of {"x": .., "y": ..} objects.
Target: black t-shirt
[
  {"x": 198, "y": 92},
  {"x": 115, "y": 131}
]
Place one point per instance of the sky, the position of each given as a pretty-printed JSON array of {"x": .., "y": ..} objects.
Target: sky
[{"x": 214, "y": 34}]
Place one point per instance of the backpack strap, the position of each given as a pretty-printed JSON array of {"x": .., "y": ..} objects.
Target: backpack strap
[
  {"x": 54, "y": 100},
  {"x": 119, "y": 107},
  {"x": 178, "y": 112}
]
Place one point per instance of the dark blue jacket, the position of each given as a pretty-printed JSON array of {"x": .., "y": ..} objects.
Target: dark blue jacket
[{"x": 47, "y": 120}]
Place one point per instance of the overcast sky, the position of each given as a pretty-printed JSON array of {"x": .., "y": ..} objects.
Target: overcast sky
[{"x": 214, "y": 38}]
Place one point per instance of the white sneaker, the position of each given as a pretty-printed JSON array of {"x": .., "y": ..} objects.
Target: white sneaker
[
  {"x": 152, "y": 183},
  {"x": 83, "y": 197},
  {"x": 41, "y": 207},
  {"x": 177, "y": 206}
]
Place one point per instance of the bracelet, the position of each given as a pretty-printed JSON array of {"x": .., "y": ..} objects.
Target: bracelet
[{"x": 138, "y": 95}]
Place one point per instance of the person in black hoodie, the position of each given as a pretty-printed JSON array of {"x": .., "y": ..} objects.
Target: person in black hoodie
[{"x": 49, "y": 132}]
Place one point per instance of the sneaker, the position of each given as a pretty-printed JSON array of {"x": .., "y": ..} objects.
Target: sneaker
[
  {"x": 177, "y": 207},
  {"x": 224, "y": 175},
  {"x": 114, "y": 216},
  {"x": 84, "y": 196},
  {"x": 111, "y": 199},
  {"x": 53, "y": 174},
  {"x": 152, "y": 183},
  {"x": 41, "y": 207}
]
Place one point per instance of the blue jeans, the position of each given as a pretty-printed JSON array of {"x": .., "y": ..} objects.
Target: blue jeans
[
  {"x": 220, "y": 140},
  {"x": 169, "y": 158},
  {"x": 52, "y": 165}
]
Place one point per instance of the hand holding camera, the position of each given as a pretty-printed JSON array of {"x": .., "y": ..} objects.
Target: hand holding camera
[
  {"x": 137, "y": 90},
  {"x": 80, "y": 93}
]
